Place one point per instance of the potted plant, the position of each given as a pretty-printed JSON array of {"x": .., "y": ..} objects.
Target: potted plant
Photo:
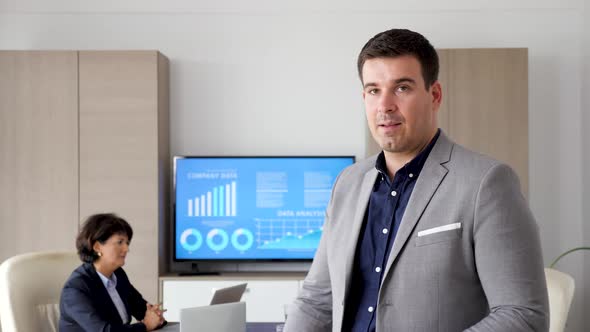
[{"x": 560, "y": 287}]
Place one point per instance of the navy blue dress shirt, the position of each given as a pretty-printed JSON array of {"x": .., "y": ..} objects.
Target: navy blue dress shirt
[{"x": 386, "y": 208}]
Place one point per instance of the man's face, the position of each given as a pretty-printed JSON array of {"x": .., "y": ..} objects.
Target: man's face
[{"x": 401, "y": 112}]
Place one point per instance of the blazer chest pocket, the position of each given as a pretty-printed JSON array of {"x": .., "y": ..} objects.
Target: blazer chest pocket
[{"x": 438, "y": 234}]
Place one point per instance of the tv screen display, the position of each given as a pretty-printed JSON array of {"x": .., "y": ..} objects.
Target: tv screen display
[{"x": 251, "y": 208}]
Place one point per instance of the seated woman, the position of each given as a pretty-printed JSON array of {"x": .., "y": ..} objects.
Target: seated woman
[{"x": 98, "y": 295}]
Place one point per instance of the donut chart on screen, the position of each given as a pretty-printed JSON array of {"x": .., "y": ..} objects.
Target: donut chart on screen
[
  {"x": 193, "y": 246},
  {"x": 217, "y": 239},
  {"x": 237, "y": 236}
]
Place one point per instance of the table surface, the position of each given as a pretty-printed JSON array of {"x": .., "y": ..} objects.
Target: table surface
[
  {"x": 264, "y": 327},
  {"x": 250, "y": 327}
]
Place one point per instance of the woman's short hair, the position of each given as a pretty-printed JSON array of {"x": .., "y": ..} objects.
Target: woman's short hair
[{"x": 99, "y": 227}]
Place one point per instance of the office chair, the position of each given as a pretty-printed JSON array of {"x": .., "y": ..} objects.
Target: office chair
[
  {"x": 31, "y": 285},
  {"x": 561, "y": 292}
]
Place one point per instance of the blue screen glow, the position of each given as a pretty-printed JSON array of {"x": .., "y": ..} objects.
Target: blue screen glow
[{"x": 246, "y": 208}]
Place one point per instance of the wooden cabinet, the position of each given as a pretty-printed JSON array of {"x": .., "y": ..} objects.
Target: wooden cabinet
[
  {"x": 266, "y": 296},
  {"x": 38, "y": 151},
  {"x": 84, "y": 132},
  {"x": 124, "y": 154},
  {"x": 485, "y": 104}
]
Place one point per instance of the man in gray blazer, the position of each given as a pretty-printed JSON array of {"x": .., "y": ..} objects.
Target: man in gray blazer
[{"x": 427, "y": 235}]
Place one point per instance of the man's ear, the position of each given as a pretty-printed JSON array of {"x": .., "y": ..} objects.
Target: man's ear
[{"x": 436, "y": 93}]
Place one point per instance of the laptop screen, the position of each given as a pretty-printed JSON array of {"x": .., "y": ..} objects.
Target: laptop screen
[{"x": 229, "y": 294}]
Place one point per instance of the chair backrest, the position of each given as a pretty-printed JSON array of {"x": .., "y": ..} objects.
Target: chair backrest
[
  {"x": 30, "y": 287},
  {"x": 561, "y": 292}
]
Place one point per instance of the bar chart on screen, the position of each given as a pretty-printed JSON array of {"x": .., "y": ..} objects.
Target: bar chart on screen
[{"x": 220, "y": 201}]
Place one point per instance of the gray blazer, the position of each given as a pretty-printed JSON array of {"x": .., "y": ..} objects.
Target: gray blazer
[{"x": 467, "y": 255}]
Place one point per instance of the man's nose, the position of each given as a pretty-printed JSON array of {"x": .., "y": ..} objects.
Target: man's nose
[{"x": 387, "y": 103}]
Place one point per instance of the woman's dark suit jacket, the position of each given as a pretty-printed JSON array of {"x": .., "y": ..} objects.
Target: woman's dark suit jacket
[{"x": 85, "y": 304}]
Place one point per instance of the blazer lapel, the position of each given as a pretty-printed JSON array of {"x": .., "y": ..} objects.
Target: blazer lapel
[
  {"x": 359, "y": 215},
  {"x": 103, "y": 294},
  {"x": 430, "y": 177}
]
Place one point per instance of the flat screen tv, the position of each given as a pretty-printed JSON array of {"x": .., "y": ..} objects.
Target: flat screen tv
[{"x": 251, "y": 208}]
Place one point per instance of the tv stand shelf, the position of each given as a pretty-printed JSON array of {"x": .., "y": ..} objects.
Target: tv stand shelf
[{"x": 266, "y": 296}]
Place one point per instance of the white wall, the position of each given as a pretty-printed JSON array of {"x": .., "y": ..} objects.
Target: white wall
[
  {"x": 269, "y": 77},
  {"x": 584, "y": 97}
]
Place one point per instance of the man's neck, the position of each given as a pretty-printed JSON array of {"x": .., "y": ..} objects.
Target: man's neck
[{"x": 396, "y": 160}]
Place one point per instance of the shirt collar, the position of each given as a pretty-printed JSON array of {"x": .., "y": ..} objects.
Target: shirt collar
[
  {"x": 414, "y": 166},
  {"x": 106, "y": 281}
]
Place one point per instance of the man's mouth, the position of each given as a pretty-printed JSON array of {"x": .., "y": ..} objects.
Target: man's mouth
[{"x": 390, "y": 124}]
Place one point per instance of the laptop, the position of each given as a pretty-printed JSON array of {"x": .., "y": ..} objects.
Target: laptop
[
  {"x": 226, "y": 317},
  {"x": 224, "y": 314},
  {"x": 229, "y": 294}
]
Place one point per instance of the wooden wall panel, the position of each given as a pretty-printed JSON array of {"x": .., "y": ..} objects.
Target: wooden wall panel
[
  {"x": 164, "y": 162},
  {"x": 488, "y": 103},
  {"x": 38, "y": 151},
  {"x": 119, "y": 151},
  {"x": 443, "y": 112}
]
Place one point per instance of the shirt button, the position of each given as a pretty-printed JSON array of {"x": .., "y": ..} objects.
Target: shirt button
[
  {"x": 377, "y": 269},
  {"x": 385, "y": 230},
  {"x": 370, "y": 309},
  {"x": 393, "y": 193},
  {"x": 411, "y": 175}
]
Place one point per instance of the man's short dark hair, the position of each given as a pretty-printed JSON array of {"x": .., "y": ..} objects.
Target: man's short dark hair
[
  {"x": 99, "y": 227},
  {"x": 398, "y": 42}
]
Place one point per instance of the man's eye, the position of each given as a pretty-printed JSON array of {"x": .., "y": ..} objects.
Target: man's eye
[
  {"x": 373, "y": 91},
  {"x": 403, "y": 88}
]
